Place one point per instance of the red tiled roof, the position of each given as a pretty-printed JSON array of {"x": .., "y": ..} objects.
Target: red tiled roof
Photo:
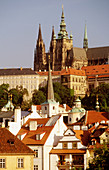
[
  {"x": 30, "y": 138},
  {"x": 94, "y": 116},
  {"x": 68, "y": 71},
  {"x": 53, "y": 73},
  {"x": 67, "y": 107},
  {"x": 11, "y": 144},
  {"x": 83, "y": 135},
  {"x": 67, "y": 151},
  {"x": 72, "y": 71},
  {"x": 100, "y": 70},
  {"x": 38, "y": 107}
]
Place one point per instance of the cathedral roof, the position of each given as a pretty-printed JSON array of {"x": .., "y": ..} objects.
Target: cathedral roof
[{"x": 79, "y": 54}]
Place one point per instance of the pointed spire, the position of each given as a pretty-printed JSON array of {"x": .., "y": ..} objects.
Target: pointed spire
[
  {"x": 85, "y": 32},
  {"x": 63, "y": 32},
  {"x": 85, "y": 43},
  {"x": 50, "y": 92},
  {"x": 52, "y": 37},
  {"x": 40, "y": 34}
]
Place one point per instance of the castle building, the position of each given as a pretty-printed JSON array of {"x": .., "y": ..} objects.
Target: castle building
[
  {"x": 62, "y": 53},
  {"x": 25, "y": 77}
]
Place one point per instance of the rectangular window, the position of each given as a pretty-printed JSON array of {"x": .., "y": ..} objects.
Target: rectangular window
[
  {"x": 64, "y": 145},
  {"x": 74, "y": 145},
  {"x": 35, "y": 167},
  {"x": 20, "y": 163},
  {"x": 2, "y": 163},
  {"x": 36, "y": 155}
]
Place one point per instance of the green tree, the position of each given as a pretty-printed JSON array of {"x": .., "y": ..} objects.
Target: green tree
[
  {"x": 102, "y": 91},
  {"x": 101, "y": 159},
  {"x": 3, "y": 94},
  {"x": 62, "y": 94},
  {"x": 18, "y": 94},
  {"x": 38, "y": 97}
]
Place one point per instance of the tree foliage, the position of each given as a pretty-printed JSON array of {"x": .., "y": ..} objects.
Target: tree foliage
[
  {"x": 3, "y": 94},
  {"x": 62, "y": 94},
  {"x": 18, "y": 94},
  {"x": 38, "y": 97},
  {"x": 101, "y": 159},
  {"x": 102, "y": 91}
]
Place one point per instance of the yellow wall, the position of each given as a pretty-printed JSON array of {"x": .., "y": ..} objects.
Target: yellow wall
[{"x": 11, "y": 162}]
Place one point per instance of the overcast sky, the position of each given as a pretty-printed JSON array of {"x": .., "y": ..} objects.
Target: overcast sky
[{"x": 20, "y": 19}]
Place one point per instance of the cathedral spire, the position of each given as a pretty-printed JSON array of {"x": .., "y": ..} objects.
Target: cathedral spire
[
  {"x": 63, "y": 32},
  {"x": 39, "y": 34},
  {"x": 52, "y": 37},
  {"x": 50, "y": 92},
  {"x": 85, "y": 43}
]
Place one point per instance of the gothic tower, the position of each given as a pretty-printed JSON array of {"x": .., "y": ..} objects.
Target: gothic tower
[
  {"x": 85, "y": 42},
  {"x": 39, "y": 53},
  {"x": 61, "y": 47}
]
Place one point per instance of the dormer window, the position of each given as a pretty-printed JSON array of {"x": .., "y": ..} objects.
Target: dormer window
[
  {"x": 11, "y": 141},
  {"x": 38, "y": 137}
]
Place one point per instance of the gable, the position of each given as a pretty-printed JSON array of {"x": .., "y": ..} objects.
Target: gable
[{"x": 69, "y": 132}]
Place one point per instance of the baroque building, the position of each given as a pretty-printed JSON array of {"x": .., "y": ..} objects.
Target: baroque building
[{"x": 62, "y": 53}]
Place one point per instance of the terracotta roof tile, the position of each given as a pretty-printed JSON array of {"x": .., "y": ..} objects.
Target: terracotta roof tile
[
  {"x": 53, "y": 73},
  {"x": 94, "y": 116},
  {"x": 83, "y": 135},
  {"x": 100, "y": 70},
  {"x": 11, "y": 144},
  {"x": 72, "y": 71},
  {"x": 30, "y": 138}
]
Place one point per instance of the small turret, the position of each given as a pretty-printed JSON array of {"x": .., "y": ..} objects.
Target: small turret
[{"x": 85, "y": 42}]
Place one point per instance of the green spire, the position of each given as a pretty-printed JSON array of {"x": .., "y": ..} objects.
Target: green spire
[
  {"x": 63, "y": 32},
  {"x": 85, "y": 32},
  {"x": 50, "y": 92},
  {"x": 85, "y": 43}
]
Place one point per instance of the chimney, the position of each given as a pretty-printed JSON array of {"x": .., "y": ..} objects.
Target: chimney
[
  {"x": 33, "y": 125},
  {"x": 33, "y": 108},
  {"x": 17, "y": 115},
  {"x": 64, "y": 106}
]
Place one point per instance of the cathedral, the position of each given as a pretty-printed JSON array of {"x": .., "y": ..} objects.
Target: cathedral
[{"x": 62, "y": 53}]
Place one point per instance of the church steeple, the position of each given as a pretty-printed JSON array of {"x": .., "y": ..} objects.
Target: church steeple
[
  {"x": 85, "y": 43},
  {"x": 50, "y": 92},
  {"x": 63, "y": 33},
  {"x": 40, "y": 34}
]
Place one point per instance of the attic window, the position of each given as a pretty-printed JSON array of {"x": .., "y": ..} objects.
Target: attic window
[
  {"x": 11, "y": 141},
  {"x": 38, "y": 137}
]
